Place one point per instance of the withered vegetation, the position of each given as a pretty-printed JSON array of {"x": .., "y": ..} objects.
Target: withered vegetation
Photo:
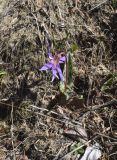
[{"x": 38, "y": 122}]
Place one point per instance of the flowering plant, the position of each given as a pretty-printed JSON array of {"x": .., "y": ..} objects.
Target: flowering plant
[{"x": 54, "y": 65}]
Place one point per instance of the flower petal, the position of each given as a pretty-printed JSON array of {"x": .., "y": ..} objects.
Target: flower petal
[
  {"x": 53, "y": 77},
  {"x": 62, "y": 59},
  {"x": 46, "y": 66},
  {"x": 60, "y": 73},
  {"x": 50, "y": 55},
  {"x": 54, "y": 72}
]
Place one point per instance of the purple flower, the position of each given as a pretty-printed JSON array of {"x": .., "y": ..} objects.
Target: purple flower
[{"x": 54, "y": 65}]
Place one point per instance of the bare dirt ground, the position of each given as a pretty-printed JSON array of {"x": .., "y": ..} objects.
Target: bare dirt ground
[{"x": 37, "y": 120}]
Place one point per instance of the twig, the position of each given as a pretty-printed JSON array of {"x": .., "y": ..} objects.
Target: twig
[
  {"x": 60, "y": 151},
  {"x": 12, "y": 136},
  {"x": 38, "y": 30},
  {"x": 56, "y": 114},
  {"x": 115, "y": 153},
  {"x": 98, "y": 5},
  {"x": 5, "y": 104},
  {"x": 59, "y": 120},
  {"x": 100, "y": 134},
  {"x": 90, "y": 109},
  {"x": 76, "y": 149},
  {"x": 112, "y": 102},
  {"x": 97, "y": 107},
  {"x": 21, "y": 143}
]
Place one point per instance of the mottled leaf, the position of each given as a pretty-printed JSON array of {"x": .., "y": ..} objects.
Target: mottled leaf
[{"x": 75, "y": 146}]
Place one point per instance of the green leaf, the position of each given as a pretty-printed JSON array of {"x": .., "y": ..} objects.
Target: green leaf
[
  {"x": 62, "y": 87},
  {"x": 114, "y": 2},
  {"x": 66, "y": 86},
  {"x": 109, "y": 82},
  {"x": 2, "y": 73},
  {"x": 75, "y": 146},
  {"x": 74, "y": 47},
  {"x": 69, "y": 69}
]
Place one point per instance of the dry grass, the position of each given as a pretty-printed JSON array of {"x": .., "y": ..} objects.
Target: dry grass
[{"x": 43, "y": 123}]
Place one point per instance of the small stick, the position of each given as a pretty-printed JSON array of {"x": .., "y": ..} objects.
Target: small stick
[
  {"x": 98, "y": 5},
  {"x": 97, "y": 107},
  {"x": 12, "y": 136},
  {"x": 112, "y": 102},
  {"x": 75, "y": 150}
]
